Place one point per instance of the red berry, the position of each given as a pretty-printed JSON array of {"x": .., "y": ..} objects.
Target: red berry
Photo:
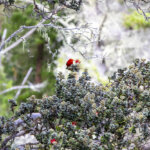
[
  {"x": 53, "y": 140},
  {"x": 74, "y": 123},
  {"x": 69, "y": 62}
]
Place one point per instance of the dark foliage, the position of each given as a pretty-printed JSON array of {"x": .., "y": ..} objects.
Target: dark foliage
[{"x": 83, "y": 115}]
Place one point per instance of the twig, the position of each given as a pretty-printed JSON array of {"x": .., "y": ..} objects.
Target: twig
[
  {"x": 137, "y": 6},
  {"x": 31, "y": 27},
  {"x": 11, "y": 137},
  {"x": 33, "y": 116},
  {"x": 23, "y": 82},
  {"x": 100, "y": 29},
  {"x": 145, "y": 146},
  {"x": 40, "y": 6},
  {"x": 17, "y": 42},
  {"x": 3, "y": 39},
  {"x": 33, "y": 87}
]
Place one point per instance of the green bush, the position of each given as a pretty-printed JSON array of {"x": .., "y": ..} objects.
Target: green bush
[
  {"x": 135, "y": 21},
  {"x": 85, "y": 116},
  {"x": 4, "y": 84}
]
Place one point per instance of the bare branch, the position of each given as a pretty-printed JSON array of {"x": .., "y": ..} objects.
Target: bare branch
[
  {"x": 3, "y": 39},
  {"x": 28, "y": 34},
  {"x": 33, "y": 116},
  {"x": 11, "y": 137},
  {"x": 23, "y": 82},
  {"x": 146, "y": 146},
  {"x": 100, "y": 29},
  {"x": 35, "y": 87}
]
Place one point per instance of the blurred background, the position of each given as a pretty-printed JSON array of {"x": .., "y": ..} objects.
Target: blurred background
[{"x": 104, "y": 35}]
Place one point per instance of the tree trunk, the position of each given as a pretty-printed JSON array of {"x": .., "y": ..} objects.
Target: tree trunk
[{"x": 39, "y": 61}]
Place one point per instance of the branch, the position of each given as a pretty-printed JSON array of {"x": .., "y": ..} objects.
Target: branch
[
  {"x": 23, "y": 82},
  {"x": 32, "y": 87},
  {"x": 146, "y": 146},
  {"x": 30, "y": 144},
  {"x": 17, "y": 42},
  {"x": 33, "y": 28},
  {"x": 100, "y": 29},
  {"x": 11, "y": 137},
  {"x": 18, "y": 122},
  {"x": 33, "y": 116},
  {"x": 40, "y": 6},
  {"x": 3, "y": 39},
  {"x": 28, "y": 34},
  {"x": 137, "y": 4}
]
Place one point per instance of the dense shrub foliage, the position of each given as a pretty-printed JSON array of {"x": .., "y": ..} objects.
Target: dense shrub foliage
[
  {"x": 4, "y": 84},
  {"x": 85, "y": 116},
  {"x": 136, "y": 21}
]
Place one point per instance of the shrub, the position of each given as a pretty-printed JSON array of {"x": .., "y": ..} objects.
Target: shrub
[
  {"x": 86, "y": 116},
  {"x": 135, "y": 21},
  {"x": 4, "y": 84}
]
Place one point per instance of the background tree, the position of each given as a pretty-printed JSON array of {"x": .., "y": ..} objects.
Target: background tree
[{"x": 39, "y": 52}]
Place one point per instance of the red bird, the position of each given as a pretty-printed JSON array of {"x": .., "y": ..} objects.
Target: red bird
[{"x": 69, "y": 62}]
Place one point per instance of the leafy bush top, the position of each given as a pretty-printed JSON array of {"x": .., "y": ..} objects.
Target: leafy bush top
[{"x": 83, "y": 115}]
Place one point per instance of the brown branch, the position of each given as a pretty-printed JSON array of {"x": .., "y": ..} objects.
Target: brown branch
[
  {"x": 100, "y": 29},
  {"x": 4, "y": 143},
  {"x": 146, "y": 146}
]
